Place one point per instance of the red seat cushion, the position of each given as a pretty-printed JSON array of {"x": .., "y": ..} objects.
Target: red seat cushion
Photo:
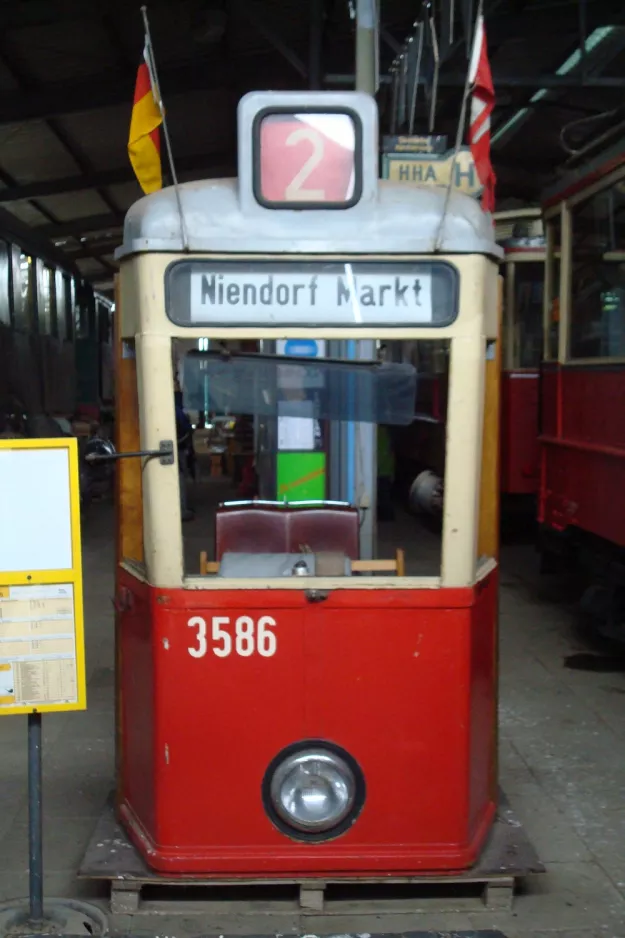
[
  {"x": 278, "y": 530},
  {"x": 324, "y": 529},
  {"x": 250, "y": 530}
]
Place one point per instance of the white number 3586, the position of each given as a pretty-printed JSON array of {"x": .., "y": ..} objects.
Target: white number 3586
[{"x": 249, "y": 637}]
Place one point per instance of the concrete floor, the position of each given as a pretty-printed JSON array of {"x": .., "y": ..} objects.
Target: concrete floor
[{"x": 561, "y": 757}]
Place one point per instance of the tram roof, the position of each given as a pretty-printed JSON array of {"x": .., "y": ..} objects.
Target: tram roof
[{"x": 400, "y": 220}]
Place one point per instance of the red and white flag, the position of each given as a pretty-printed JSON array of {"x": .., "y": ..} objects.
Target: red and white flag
[{"x": 482, "y": 103}]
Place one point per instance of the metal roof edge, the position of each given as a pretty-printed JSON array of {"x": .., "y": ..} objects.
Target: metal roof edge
[{"x": 403, "y": 219}]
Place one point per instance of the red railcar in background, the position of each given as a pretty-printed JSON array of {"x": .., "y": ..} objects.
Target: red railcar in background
[
  {"x": 421, "y": 446},
  {"x": 582, "y": 442}
]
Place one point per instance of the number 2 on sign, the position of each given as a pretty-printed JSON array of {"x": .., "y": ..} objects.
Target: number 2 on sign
[
  {"x": 295, "y": 191},
  {"x": 249, "y": 637}
]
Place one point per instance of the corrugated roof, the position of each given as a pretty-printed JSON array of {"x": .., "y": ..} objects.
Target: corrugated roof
[{"x": 67, "y": 72}]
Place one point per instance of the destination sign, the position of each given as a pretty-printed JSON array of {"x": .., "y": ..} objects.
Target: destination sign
[{"x": 311, "y": 294}]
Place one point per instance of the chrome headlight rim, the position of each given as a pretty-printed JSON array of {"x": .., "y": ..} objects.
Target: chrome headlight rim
[{"x": 356, "y": 803}]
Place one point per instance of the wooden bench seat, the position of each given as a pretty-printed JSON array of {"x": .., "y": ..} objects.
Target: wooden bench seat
[{"x": 396, "y": 565}]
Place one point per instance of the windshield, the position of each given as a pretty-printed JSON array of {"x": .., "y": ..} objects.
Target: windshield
[{"x": 294, "y": 424}]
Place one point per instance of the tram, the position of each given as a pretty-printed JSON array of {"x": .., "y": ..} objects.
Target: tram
[
  {"x": 298, "y": 695},
  {"x": 520, "y": 233},
  {"x": 582, "y": 442}
]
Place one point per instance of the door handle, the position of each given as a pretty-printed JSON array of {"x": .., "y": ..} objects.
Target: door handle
[
  {"x": 123, "y": 601},
  {"x": 316, "y": 596}
]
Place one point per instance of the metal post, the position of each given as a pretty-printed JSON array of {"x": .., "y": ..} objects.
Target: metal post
[
  {"x": 315, "y": 53},
  {"x": 35, "y": 818},
  {"x": 366, "y": 46},
  {"x": 362, "y": 446},
  {"x": 366, "y": 469},
  {"x": 335, "y": 469}
]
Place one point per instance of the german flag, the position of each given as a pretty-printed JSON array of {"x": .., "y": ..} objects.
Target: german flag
[{"x": 144, "y": 144}]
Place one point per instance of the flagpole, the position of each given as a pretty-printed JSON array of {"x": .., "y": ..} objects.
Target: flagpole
[
  {"x": 151, "y": 63},
  {"x": 460, "y": 131}
]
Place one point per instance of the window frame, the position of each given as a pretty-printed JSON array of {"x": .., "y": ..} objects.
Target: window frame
[{"x": 566, "y": 269}]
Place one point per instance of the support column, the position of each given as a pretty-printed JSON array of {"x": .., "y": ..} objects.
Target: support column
[
  {"x": 366, "y": 469},
  {"x": 362, "y": 440}
]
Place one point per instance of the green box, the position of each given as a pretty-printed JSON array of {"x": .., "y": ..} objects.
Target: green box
[{"x": 301, "y": 477}]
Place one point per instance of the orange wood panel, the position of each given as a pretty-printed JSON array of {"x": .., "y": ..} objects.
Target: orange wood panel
[
  {"x": 128, "y": 498},
  {"x": 129, "y": 494},
  {"x": 488, "y": 536}
]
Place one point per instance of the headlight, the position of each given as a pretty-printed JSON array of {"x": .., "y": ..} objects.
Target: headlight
[{"x": 316, "y": 790}]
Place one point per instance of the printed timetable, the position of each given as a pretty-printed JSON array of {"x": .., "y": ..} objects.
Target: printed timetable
[{"x": 37, "y": 645}]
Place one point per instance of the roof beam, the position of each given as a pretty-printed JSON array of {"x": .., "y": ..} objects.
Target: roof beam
[
  {"x": 44, "y": 13},
  {"x": 216, "y": 73},
  {"x": 31, "y": 240},
  {"x": 26, "y": 83},
  {"x": 508, "y": 80},
  {"x": 256, "y": 16},
  {"x": 78, "y": 226},
  {"x": 96, "y": 251},
  {"x": 505, "y": 21},
  {"x": 211, "y": 166},
  {"x": 589, "y": 68},
  {"x": 252, "y": 73}
]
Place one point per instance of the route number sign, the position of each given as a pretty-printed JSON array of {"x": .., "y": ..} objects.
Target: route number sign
[{"x": 308, "y": 160}]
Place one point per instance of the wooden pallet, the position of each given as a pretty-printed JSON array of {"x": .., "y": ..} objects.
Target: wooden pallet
[{"x": 507, "y": 858}]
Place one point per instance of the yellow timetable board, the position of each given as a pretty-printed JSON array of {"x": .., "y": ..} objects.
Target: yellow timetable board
[{"x": 42, "y": 663}]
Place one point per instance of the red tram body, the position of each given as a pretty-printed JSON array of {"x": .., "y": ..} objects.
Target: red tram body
[
  {"x": 583, "y": 450},
  {"x": 519, "y": 432},
  {"x": 330, "y": 652},
  {"x": 582, "y": 442}
]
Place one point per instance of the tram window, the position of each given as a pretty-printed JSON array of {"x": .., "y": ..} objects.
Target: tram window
[
  {"x": 104, "y": 321},
  {"x": 552, "y": 277},
  {"x": 47, "y": 301},
  {"x": 70, "y": 307},
  {"x": 432, "y": 362},
  {"x": 271, "y": 422},
  {"x": 528, "y": 311},
  {"x": 24, "y": 298},
  {"x": 307, "y": 160},
  {"x": 83, "y": 312},
  {"x": 60, "y": 290},
  {"x": 597, "y": 328},
  {"x": 5, "y": 284}
]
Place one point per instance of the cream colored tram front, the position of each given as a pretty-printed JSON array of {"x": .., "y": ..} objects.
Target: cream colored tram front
[{"x": 304, "y": 691}]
